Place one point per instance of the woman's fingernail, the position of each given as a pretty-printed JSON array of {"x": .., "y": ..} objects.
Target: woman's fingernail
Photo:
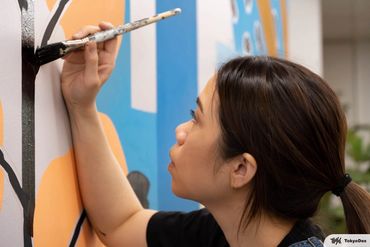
[
  {"x": 107, "y": 23},
  {"x": 77, "y": 35}
]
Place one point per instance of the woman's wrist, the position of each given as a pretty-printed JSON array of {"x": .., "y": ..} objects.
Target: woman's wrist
[{"x": 78, "y": 111}]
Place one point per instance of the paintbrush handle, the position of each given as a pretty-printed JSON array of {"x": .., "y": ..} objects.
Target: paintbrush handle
[
  {"x": 147, "y": 21},
  {"x": 104, "y": 35},
  {"x": 111, "y": 33}
]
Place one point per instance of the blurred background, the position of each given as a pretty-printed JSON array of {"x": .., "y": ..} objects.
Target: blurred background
[{"x": 342, "y": 56}]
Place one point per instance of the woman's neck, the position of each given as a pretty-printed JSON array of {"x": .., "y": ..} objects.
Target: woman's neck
[{"x": 264, "y": 232}]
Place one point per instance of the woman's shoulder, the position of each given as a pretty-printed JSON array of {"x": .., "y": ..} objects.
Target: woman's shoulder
[
  {"x": 310, "y": 242},
  {"x": 197, "y": 228},
  {"x": 305, "y": 233}
]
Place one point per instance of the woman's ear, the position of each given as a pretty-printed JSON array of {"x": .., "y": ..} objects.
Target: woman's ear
[{"x": 243, "y": 170}]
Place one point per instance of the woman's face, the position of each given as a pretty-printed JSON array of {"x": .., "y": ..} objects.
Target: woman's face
[{"x": 195, "y": 154}]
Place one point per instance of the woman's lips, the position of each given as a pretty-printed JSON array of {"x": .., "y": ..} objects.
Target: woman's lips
[
  {"x": 171, "y": 160},
  {"x": 170, "y": 167}
]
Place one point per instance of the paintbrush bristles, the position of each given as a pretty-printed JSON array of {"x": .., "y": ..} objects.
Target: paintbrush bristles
[{"x": 49, "y": 53}]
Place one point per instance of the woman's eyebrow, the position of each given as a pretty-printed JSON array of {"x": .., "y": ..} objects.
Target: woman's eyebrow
[{"x": 199, "y": 103}]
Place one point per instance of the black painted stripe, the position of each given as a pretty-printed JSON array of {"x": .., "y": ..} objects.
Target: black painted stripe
[
  {"x": 23, "y": 4},
  {"x": 29, "y": 72},
  {"x": 54, "y": 20},
  {"x": 13, "y": 181},
  {"x": 77, "y": 231},
  {"x": 28, "y": 138},
  {"x": 23, "y": 197}
]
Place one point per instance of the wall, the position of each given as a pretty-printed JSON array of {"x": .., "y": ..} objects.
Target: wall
[
  {"x": 346, "y": 64},
  {"x": 40, "y": 204},
  {"x": 305, "y": 33},
  {"x": 346, "y": 26}
]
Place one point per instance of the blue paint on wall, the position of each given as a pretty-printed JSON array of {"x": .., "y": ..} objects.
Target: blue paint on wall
[
  {"x": 245, "y": 23},
  {"x": 136, "y": 129},
  {"x": 177, "y": 89}
]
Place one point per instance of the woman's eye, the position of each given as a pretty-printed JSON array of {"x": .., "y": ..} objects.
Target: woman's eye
[{"x": 192, "y": 113}]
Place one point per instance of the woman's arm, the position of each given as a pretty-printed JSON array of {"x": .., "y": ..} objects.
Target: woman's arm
[{"x": 110, "y": 202}]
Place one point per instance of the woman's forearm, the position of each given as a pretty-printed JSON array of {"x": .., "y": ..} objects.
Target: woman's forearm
[{"x": 107, "y": 195}]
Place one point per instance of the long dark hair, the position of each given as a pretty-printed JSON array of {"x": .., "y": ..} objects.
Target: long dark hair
[{"x": 292, "y": 123}]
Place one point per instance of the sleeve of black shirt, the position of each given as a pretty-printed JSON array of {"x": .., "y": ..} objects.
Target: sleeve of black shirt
[{"x": 197, "y": 228}]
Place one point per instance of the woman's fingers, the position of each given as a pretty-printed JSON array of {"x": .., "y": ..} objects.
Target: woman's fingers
[
  {"x": 74, "y": 57},
  {"x": 104, "y": 25},
  {"x": 91, "y": 60},
  {"x": 107, "y": 51},
  {"x": 110, "y": 46},
  {"x": 86, "y": 31}
]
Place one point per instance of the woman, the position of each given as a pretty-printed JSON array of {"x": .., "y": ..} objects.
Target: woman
[{"x": 266, "y": 142}]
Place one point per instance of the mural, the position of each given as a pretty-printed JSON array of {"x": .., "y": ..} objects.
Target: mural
[
  {"x": 160, "y": 70},
  {"x": 39, "y": 195}
]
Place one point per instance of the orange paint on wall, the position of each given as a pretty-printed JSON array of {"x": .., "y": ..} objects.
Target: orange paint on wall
[
  {"x": 58, "y": 205},
  {"x": 90, "y": 12},
  {"x": 58, "y": 201},
  {"x": 268, "y": 25},
  {"x": 1, "y": 143},
  {"x": 284, "y": 16},
  {"x": 1, "y": 125}
]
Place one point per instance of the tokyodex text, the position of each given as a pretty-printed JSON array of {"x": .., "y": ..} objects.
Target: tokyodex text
[{"x": 355, "y": 240}]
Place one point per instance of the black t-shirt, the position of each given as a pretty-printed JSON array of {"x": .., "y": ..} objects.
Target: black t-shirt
[{"x": 200, "y": 229}]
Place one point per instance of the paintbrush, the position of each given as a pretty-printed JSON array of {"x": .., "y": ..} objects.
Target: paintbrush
[{"x": 54, "y": 51}]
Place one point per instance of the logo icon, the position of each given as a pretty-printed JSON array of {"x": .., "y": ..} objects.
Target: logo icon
[{"x": 336, "y": 240}]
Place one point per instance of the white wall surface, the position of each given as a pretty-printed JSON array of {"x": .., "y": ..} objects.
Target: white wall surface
[
  {"x": 347, "y": 69},
  {"x": 305, "y": 33}
]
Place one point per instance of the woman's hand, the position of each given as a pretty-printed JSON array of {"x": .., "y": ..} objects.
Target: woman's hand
[{"x": 85, "y": 71}]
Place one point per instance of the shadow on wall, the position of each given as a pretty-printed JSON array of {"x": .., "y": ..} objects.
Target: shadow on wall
[{"x": 140, "y": 183}]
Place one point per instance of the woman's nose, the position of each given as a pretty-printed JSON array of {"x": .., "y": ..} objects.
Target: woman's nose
[{"x": 181, "y": 133}]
